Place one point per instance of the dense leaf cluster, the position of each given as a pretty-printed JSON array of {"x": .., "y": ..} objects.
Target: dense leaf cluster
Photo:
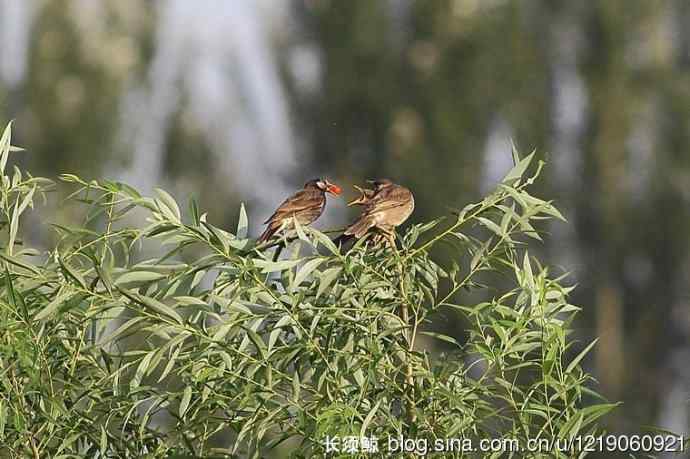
[{"x": 176, "y": 336}]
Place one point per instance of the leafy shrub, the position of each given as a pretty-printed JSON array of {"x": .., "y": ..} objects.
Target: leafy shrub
[{"x": 214, "y": 349}]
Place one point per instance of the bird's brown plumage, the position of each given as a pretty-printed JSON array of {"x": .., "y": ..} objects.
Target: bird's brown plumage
[
  {"x": 305, "y": 206},
  {"x": 385, "y": 208}
]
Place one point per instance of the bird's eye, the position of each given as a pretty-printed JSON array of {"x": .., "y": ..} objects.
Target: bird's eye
[{"x": 321, "y": 184}]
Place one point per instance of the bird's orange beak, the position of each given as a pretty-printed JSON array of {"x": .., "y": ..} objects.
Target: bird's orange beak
[{"x": 334, "y": 189}]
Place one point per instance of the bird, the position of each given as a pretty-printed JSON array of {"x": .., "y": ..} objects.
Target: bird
[
  {"x": 364, "y": 197},
  {"x": 305, "y": 206},
  {"x": 386, "y": 207}
]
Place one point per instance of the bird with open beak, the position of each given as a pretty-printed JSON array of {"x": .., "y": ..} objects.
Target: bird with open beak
[
  {"x": 305, "y": 206},
  {"x": 386, "y": 207}
]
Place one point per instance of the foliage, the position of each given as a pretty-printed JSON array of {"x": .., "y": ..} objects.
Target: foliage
[{"x": 215, "y": 349}]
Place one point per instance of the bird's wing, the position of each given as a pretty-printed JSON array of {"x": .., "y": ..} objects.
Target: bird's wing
[
  {"x": 388, "y": 199},
  {"x": 360, "y": 226},
  {"x": 300, "y": 201}
]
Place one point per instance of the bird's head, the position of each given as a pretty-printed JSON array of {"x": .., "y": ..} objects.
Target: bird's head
[
  {"x": 380, "y": 183},
  {"x": 324, "y": 185}
]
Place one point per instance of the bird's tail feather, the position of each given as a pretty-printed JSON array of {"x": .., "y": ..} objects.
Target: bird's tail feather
[
  {"x": 359, "y": 228},
  {"x": 343, "y": 239},
  {"x": 270, "y": 231},
  {"x": 345, "y": 242},
  {"x": 355, "y": 231}
]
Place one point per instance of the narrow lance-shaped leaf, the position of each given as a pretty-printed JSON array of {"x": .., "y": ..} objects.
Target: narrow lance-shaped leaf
[
  {"x": 72, "y": 273},
  {"x": 184, "y": 403},
  {"x": 5, "y": 147},
  {"x": 369, "y": 418},
  {"x": 300, "y": 230},
  {"x": 258, "y": 342},
  {"x": 15, "y": 260},
  {"x": 152, "y": 304},
  {"x": 278, "y": 330},
  {"x": 121, "y": 330},
  {"x": 491, "y": 225},
  {"x": 580, "y": 356},
  {"x": 296, "y": 386},
  {"x": 142, "y": 370},
  {"x": 53, "y": 306},
  {"x": 138, "y": 276},
  {"x": 169, "y": 203},
  {"x": 326, "y": 279},
  {"x": 103, "y": 442},
  {"x": 242, "y": 223},
  {"x": 170, "y": 364},
  {"x": 14, "y": 224},
  {"x": 324, "y": 240},
  {"x": 305, "y": 270},
  {"x": 268, "y": 266},
  {"x": 518, "y": 170}
]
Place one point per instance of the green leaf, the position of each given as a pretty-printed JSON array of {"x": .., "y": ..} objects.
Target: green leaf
[
  {"x": 441, "y": 337},
  {"x": 152, "y": 304},
  {"x": 26, "y": 201},
  {"x": 170, "y": 364},
  {"x": 194, "y": 210},
  {"x": 190, "y": 300},
  {"x": 218, "y": 235},
  {"x": 242, "y": 223},
  {"x": 258, "y": 342},
  {"x": 5, "y": 147},
  {"x": 572, "y": 427},
  {"x": 142, "y": 370},
  {"x": 518, "y": 170},
  {"x": 580, "y": 356},
  {"x": 184, "y": 403},
  {"x": 326, "y": 279},
  {"x": 53, "y": 306},
  {"x": 14, "y": 223},
  {"x": 296, "y": 386},
  {"x": 169, "y": 203},
  {"x": 369, "y": 418},
  {"x": 514, "y": 152},
  {"x": 222, "y": 331},
  {"x": 305, "y": 270},
  {"x": 273, "y": 337},
  {"x": 72, "y": 273},
  {"x": 103, "y": 443},
  {"x": 423, "y": 228},
  {"x": 121, "y": 330},
  {"x": 268, "y": 266},
  {"x": 277, "y": 330},
  {"x": 238, "y": 306},
  {"x": 527, "y": 272},
  {"x": 593, "y": 412},
  {"x": 139, "y": 276},
  {"x": 300, "y": 231},
  {"x": 324, "y": 240},
  {"x": 549, "y": 209},
  {"x": 17, "y": 262},
  {"x": 491, "y": 225}
]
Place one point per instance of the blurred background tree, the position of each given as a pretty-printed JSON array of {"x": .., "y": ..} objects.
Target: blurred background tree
[{"x": 245, "y": 100}]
